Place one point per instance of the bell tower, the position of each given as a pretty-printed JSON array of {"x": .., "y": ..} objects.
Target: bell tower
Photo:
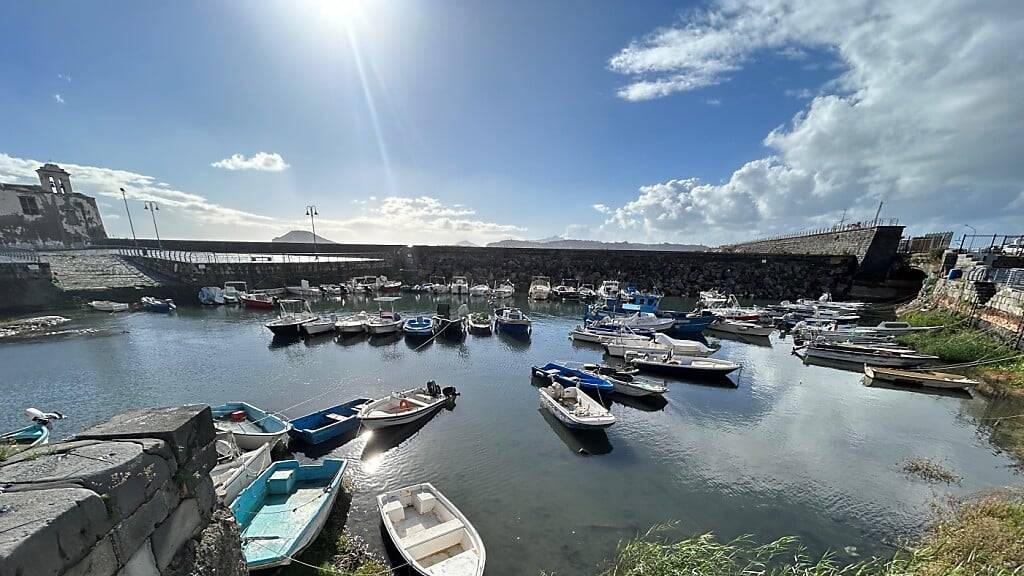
[{"x": 54, "y": 179}]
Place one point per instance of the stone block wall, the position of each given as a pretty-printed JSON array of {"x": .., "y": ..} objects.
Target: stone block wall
[
  {"x": 130, "y": 497},
  {"x": 25, "y": 286},
  {"x": 1003, "y": 314}
]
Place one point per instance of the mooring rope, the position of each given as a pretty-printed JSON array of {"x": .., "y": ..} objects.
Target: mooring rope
[{"x": 321, "y": 569}]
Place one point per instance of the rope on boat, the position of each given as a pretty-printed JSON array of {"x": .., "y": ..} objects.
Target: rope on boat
[{"x": 321, "y": 569}]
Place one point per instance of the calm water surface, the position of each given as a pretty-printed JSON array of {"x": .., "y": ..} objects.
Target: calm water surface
[{"x": 794, "y": 449}]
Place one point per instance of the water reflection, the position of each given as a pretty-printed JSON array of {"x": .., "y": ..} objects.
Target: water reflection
[
  {"x": 385, "y": 339},
  {"x": 581, "y": 442},
  {"x": 744, "y": 338},
  {"x": 384, "y": 439},
  {"x": 651, "y": 403},
  {"x": 925, "y": 390},
  {"x": 351, "y": 338},
  {"x": 284, "y": 340},
  {"x": 315, "y": 451}
]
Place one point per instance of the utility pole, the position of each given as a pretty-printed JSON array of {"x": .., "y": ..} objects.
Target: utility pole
[
  {"x": 152, "y": 207},
  {"x": 878, "y": 212},
  {"x": 311, "y": 212},
  {"x": 843, "y": 219},
  {"x": 125, "y": 198}
]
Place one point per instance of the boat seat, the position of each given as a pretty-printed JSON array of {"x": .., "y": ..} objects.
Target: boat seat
[
  {"x": 281, "y": 482},
  {"x": 394, "y": 511},
  {"x": 431, "y": 533},
  {"x": 417, "y": 402},
  {"x": 336, "y": 417},
  {"x": 424, "y": 502}
]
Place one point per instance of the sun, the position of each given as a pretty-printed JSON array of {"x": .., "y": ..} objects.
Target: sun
[{"x": 340, "y": 13}]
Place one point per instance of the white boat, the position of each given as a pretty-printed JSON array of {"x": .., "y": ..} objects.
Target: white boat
[
  {"x": 480, "y": 290},
  {"x": 512, "y": 321},
  {"x": 860, "y": 354},
  {"x": 438, "y": 285},
  {"x": 250, "y": 426},
  {"x": 304, "y": 290},
  {"x": 625, "y": 381},
  {"x": 321, "y": 325},
  {"x": 587, "y": 292},
  {"x": 711, "y": 299},
  {"x": 108, "y": 306},
  {"x": 896, "y": 328},
  {"x": 459, "y": 286},
  {"x": 352, "y": 324},
  {"x": 292, "y": 315},
  {"x": 574, "y": 408},
  {"x": 567, "y": 290},
  {"x": 685, "y": 366},
  {"x": 211, "y": 295},
  {"x": 332, "y": 289},
  {"x": 236, "y": 469},
  {"x": 598, "y": 336},
  {"x": 504, "y": 290},
  {"x": 233, "y": 292},
  {"x": 433, "y": 536},
  {"x": 404, "y": 407},
  {"x": 640, "y": 321},
  {"x": 386, "y": 321},
  {"x": 540, "y": 288},
  {"x": 608, "y": 289},
  {"x": 740, "y": 327},
  {"x": 364, "y": 284},
  {"x": 926, "y": 378},
  {"x": 662, "y": 344}
]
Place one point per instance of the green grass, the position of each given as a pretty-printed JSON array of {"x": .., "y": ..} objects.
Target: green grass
[{"x": 981, "y": 537}]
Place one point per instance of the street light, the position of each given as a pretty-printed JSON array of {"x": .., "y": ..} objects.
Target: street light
[
  {"x": 125, "y": 198},
  {"x": 311, "y": 212},
  {"x": 971, "y": 243},
  {"x": 152, "y": 207}
]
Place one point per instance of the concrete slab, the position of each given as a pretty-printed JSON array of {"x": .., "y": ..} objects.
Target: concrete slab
[
  {"x": 185, "y": 428},
  {"x": 180, "y": 527},
  {"x": 130, "y": 533},
  {"x": 141, "y": 563},
  {"x": 102, "y": 561}
]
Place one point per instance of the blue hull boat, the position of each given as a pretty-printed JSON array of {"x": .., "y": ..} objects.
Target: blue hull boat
[
  {"x": 571, "y": 377},
  {"x": 30, "y": 436},
  {"x": 691, "y": 324},
  {"x": 512, "y": 321},
  {"x": 157, "y": 305},
  {"x": 419, "y": 326},
  {"x": 284, "y": 509},
  {"x": 328, "y": 423}
]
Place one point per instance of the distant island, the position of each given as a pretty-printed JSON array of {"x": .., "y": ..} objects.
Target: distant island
[
  {"x": 570, "y": 244},
  {"x": 467, "y": 243},
  {"x": 302, "y": 236}
]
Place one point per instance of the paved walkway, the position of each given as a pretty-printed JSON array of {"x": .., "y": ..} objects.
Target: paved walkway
[{"x": 94, "y": 270}]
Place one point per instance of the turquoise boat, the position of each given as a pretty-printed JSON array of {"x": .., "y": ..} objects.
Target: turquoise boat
[
  {"x": 35, "y": 434},
  {"x": 322, "y": 425},
  {"x": 284, "y": 509}
]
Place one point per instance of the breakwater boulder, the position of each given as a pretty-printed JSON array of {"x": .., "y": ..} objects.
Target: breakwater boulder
[{"x": 132, "y": 496}]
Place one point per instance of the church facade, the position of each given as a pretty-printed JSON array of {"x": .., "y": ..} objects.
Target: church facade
[{"x": 49, "y": 214}]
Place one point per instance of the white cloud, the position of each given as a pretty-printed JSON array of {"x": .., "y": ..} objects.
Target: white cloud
[
  {"x": 64, "y": 77},
  {"x": 262, "y": 161},
  {"x": 58, "y": 98},
  {"x": 713, "y": 102},
  {"x": 923, "y": 115},
  {"x": 602, "y": 208}
]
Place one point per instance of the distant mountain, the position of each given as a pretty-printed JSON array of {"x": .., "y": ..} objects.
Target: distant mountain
[
  {"x": 569, "y": 244},
  {"x": 467, "y": 243},
  {"x": 302, "y": 236}
]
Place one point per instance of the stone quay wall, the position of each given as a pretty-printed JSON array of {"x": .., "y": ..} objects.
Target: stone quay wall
[
  {"x": 129, "y": 497},
  {"x": 26, "y": 286},
  {"x": 875, "y": 247},
  {"x": 1003, "y": 314}
]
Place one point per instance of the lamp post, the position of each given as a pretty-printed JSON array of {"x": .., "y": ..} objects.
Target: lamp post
[
  {"x": 974, "y": 232},
  {"x": 125, "y": 198},
  {"x": 152, "y": 207},
  {"x": 311, "y": 212}
]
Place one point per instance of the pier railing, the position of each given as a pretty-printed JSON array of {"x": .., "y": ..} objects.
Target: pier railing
[
  {"x": 18, "y": 255},
  {"x": 197, "y": 257},
  {"x": 863, "y": 224}
]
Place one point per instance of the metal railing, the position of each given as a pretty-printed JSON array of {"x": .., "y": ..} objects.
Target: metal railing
[
  {"x": 863, "y": 224},
  {"x": 18, "y": 255},
  {"x": 1015, "y": 242},
  {"x": 194, "y": 257}
]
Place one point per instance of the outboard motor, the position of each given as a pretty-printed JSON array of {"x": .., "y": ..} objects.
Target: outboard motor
[
  {"x": 449, "y": 392},
  {"x": 433, "y": 389}
]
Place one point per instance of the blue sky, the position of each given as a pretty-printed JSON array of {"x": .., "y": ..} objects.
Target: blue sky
[{"x": 433, "y": 121}]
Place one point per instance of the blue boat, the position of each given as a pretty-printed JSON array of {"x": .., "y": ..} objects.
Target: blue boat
[
  {"x": 328, "y": 423},
  {"x": 419, "y": 326},
  {"x": 284, "y": 509},
  {"x": 512, "y": 321},
  {"x": 35, "y": 434},
  {"x": 571, "y": 377},
  {"x": 689, "y": 323}
]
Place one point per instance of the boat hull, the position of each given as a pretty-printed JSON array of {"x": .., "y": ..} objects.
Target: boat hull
[
  {"x": 372, "y": 421},
  {"x": 927, "y": 379},
  {"x": 390, "y": 328},
  {"x": 685, "y": 371},
  {"x": 319, "y": 426},
  {"x": 855, "y": 358},
  {"x": 568, "y": 420},
  {"x": 288, "y": 329},
  {"x": 258, "y": 303},
  {"x": 271, "y": 429}
]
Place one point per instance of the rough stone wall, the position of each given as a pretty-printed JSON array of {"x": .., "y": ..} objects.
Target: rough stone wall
[
  {"x": 62, "y": 220},
  {"x": 874, "y": 247},
  {"x": 1003, "y": 314},
  {"x": 25, "y": 286},
  {"x": 674, "y": 273},
  {"x": 130, "y": 497}
]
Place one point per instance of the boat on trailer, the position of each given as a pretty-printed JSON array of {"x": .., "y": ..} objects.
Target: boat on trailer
[
  {"x": 404, "y": 407},
  {"x": 574, "y": 408},
  {"x": 433, "y": 536},
  {"x": 284, "y": 509},
  {"x": 925, "y": 378},
  {"x": 322, "y": 425}
]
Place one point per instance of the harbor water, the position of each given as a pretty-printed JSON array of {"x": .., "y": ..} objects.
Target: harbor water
[{"x": 791, "y": 449}]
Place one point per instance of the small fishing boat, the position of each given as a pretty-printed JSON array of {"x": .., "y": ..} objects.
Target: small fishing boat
[
  {"x": 211, "y": 295},
  {"x": 459, "y": 286},
  {"x": 446, "y": 325},
  {"x": 574, "y": 408},
  {"x": 480, "y": 290},
  {"x": 35, "y": 434},
  {"x": 364, "y": 284},
  {"x": 504, "y": 290},
  {"x": 430, "y": 533},
  {"x": 250, "y": 426},
  {"x": 157, "y": 304},
  {"x": 386, "y": 321},
  {"x": 587, "y": 292},
  {"x": 261, "y": 301},
  {"x": 609, "y": 289},
  {"x": 322, "y": 325},
  {"x": 405, "y": 407},
  {"x": 304, "y": 290},
  {"x": 332, "y": 289},
  {"x": 599, "y": 334},
  {"x": 896, "y": 328},
  {"x": 686, "y": 366},
  {"x": 625, "y": 381},
  {"x": 389, "y": 286},
  {"x": 291, "y": 316},
  {"x": 919, "y": 378},
  {"x": 640, "y": 321},
  {"x": 740, "y": 327},
  {"x": 235, "y": 469},
  {"x": 438, "y": 285},
  {"x": 284, "y": 509},
  {"x": 512, "y": 321},
  {"x": 479, "y": 323},
  {"x": 419, "y": 326},
  {"x": 688, "y": 322},
  {"x": 108, "y": 306},
  {"x": 711, "y": 299},
  {"x": 661, "y": 344},
  {"x": 863, "y": 354},
  {"x": 328, "y": 423},
  {"x": 353, "y": 324},
  {"x": 540, "y": 288},
  {"x": 566, "y": 290},
  {"x": 570, "y": 377},
  {"x": 233, "y": 291}
]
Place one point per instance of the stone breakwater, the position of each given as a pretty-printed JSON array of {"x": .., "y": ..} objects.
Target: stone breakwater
[{"x": 129, "y": 497}]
